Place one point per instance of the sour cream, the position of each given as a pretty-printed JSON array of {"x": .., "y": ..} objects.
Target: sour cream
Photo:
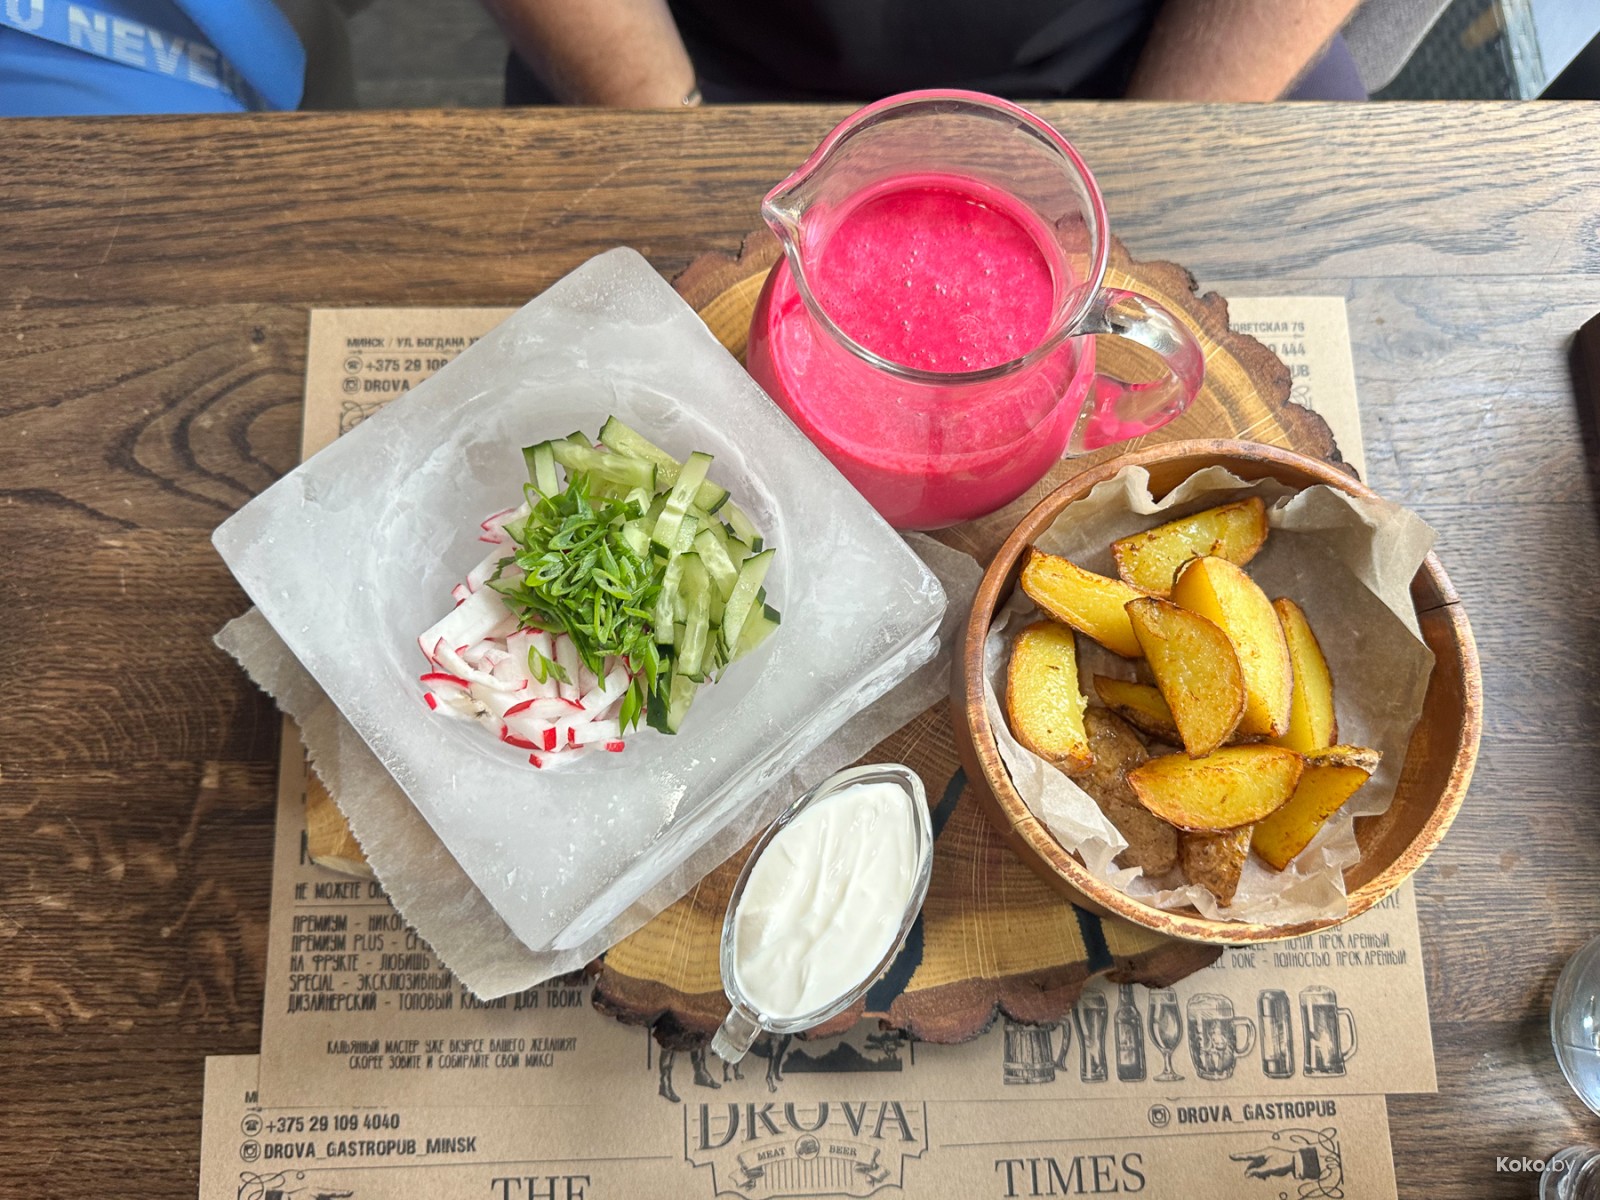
[{"x": 825, "y": 901}]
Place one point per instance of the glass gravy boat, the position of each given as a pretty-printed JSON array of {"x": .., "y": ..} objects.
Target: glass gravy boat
[
  {"x": 746, "y": 1019},
  {"x": 930, "y": 326}
]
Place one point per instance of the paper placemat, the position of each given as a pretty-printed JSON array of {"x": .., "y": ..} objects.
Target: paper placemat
[
  {"x": 856, "y": 1142},
  {"x": 361, "y": 1018}
]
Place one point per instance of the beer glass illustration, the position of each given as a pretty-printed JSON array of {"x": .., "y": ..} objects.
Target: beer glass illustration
[
  {"x": 1274, "y": 1019},
  {"x": 1129, "y": 1036},
  {"x": 1090, "y": 1015},
  {"x": 1166, "y": 1029},
  {"x": 1217, "y": 1038},
  {"x": 1330, "y": 1033}
]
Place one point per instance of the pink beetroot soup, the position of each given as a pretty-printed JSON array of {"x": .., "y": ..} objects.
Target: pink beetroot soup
[{"x": 942, "y": 275}]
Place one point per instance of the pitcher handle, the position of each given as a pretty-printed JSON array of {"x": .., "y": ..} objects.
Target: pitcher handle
[
  {"x": 1349, "y": 1019},
  {"x": 1116, "y": 410}
]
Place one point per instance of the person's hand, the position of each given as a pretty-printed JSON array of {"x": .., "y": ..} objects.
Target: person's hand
[{"x": 1267, "y": 1163}]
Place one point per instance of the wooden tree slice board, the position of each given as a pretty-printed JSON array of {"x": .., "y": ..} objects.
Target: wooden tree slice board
[{"x": 993, "y": 938}]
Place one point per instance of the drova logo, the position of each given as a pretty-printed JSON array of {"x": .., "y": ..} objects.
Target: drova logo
[{"x": 829, "y": 1148}]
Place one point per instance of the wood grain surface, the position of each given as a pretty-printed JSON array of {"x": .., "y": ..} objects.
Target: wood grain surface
[{"x": 154, "y": 281}]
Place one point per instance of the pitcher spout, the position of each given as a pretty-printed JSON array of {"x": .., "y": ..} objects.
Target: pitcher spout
[{"x": 784, "y": 208}]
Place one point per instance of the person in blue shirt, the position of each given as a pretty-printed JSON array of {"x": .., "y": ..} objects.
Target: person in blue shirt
[{"x": 107, "y": 57}]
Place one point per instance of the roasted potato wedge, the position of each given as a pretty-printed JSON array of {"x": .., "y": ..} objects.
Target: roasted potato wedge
[
  {"x": 1043, "y": 700},
  {"x": 1224, "y": 595},
  {"x": 1149, "y": 560},
  {"x": 1090, "y": 603},
  {"x": 1215, "y": 860},
  {"x": 1152, "y": 843},
  {"x": 1234, "y": 787},
  {"x": 1330, "y": 778},
  {"x": 1197, "y": 670},
  {"x": 1140, "y": 705},
  {"x": 1312, "y": 724}
]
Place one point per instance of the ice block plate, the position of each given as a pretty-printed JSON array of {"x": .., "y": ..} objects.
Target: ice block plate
[{"x": 353, "y": 554}]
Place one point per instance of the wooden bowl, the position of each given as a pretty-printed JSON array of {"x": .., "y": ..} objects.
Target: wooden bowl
[{"x": 1439, "y": 759}]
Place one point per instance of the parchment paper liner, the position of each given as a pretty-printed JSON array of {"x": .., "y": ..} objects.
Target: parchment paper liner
[{"x": 1349, "y": 563}]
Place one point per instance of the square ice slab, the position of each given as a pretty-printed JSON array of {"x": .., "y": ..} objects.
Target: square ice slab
[{"x": 353, "y": 554}]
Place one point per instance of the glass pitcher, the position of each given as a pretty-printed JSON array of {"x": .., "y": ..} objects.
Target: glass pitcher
[{"x": 929, "y": 326}]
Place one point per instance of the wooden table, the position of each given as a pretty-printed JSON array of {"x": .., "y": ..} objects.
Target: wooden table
[{"x": 154, "y": 281}]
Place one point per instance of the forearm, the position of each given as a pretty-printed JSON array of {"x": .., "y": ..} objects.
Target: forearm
[
  {"x": 622, "y": 53},
  {"x": 1234, "y": 49}
]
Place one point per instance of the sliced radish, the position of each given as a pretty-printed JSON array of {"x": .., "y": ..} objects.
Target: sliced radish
[
  {"x": 616, "y": 747},
  {"x": 498, "y": 703},
  {"x": 497, "y": 523},
  {"x": 544, "y": 643},
  {"x": 567, "y": 658},
  {"x": 437, "y": 679},
  {"x": 484, "y": 571},
  {"x": 545, "y": 709},
  {"x": 460, "y": 705},
  {"x": 481, "y": 668},
  {"x": 514, "y": 668},
  {"x": 596, "y": 731},
  {"x": 588, "y": 681},
  {"x": 524, "y": 726},
  {"x": 511, "y": 670},
  {"x": 456, "y": 665},
  {"x": 476, "y": 618},
  {"x": 607, "y": 692}
]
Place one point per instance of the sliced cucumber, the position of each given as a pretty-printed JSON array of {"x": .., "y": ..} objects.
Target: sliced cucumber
[
  {"x": 745, "y": 598},
  {"x": 617, "y": 469},
  {"x": 666, "y": 713},
  {"x": 688, "y": 528},
  {"x": 667, "y": 601},
  {"x": 640, "y": 499},
  {"x": 758, "y": 626},
  {"x": 620, "y": 439},
  {"x": 710, "y": 607},
  {"x": 742, "y": 527},
  {"x": 636, "y": 535},
  {"x": 714, "y": 554},
  {"x": 541, "y": 462},
  {"x": 696, "y": 592},
  {"x": 665, "y": 534}
]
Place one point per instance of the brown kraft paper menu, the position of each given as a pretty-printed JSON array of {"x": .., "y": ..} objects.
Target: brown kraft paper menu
[
  {"x": 359, "y": 1011},
  {"x": 856, "y": 1141}
]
